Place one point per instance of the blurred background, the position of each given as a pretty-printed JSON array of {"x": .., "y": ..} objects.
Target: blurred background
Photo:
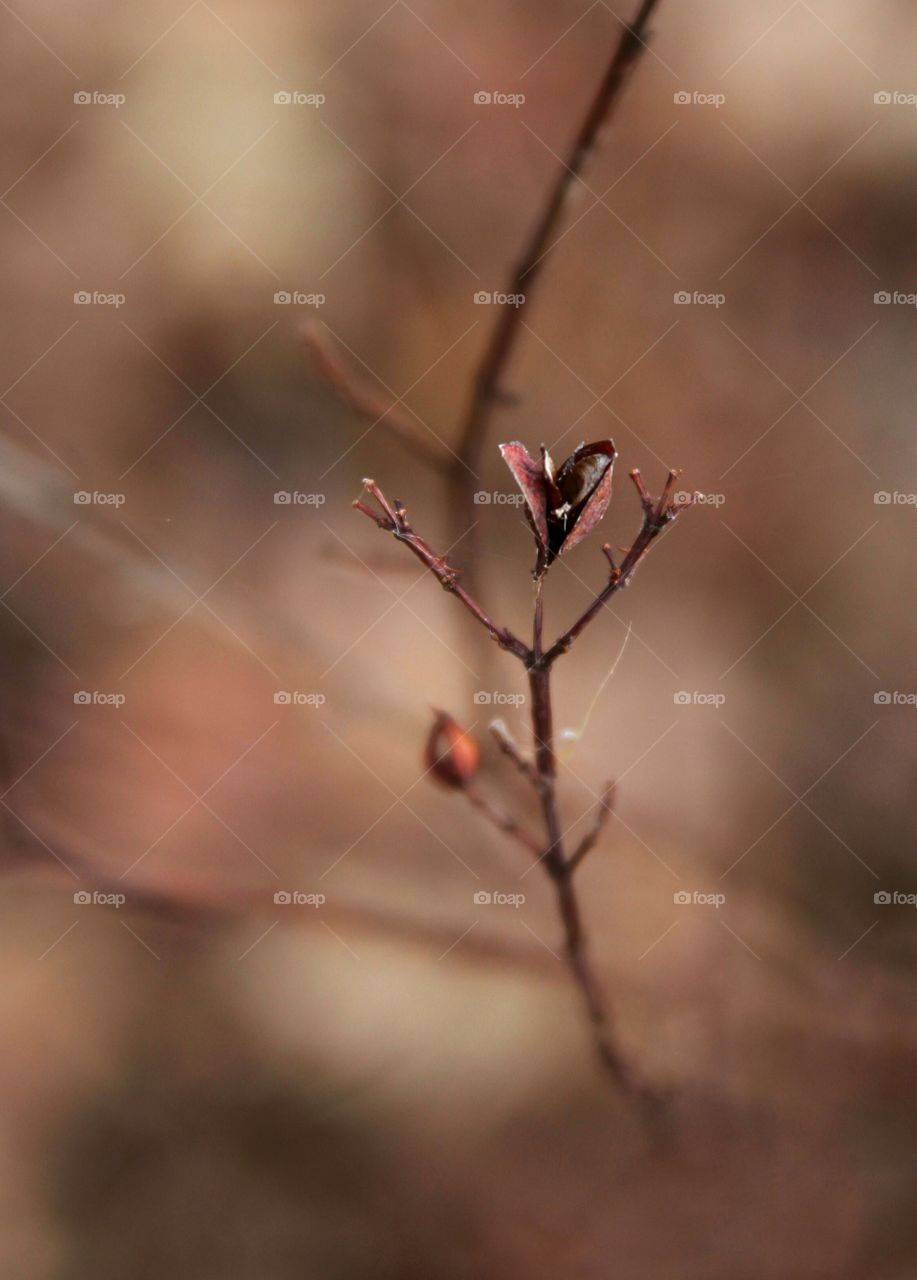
[{"x": 376, "y": 1075}]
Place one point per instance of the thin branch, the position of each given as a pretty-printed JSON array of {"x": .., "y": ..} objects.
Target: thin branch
[
  {"x": 512, "y": 751},
  {"x": 487, "y": 392},
  {"x": 590, "y": 839},
  {"x": 656, "y": 517},
  {"x": 502, "y": 821},
  {"x": 352, "y": 392},
  {"x": 394, "y": 520}
]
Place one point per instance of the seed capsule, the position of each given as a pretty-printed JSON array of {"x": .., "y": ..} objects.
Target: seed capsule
[{"x": 451, "y": 755}]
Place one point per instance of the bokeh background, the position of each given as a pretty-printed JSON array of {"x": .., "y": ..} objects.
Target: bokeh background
[{"x": 203, "y": 1082}]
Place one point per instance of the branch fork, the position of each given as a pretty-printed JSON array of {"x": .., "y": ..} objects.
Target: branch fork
[{"x": 453, "y": 759}]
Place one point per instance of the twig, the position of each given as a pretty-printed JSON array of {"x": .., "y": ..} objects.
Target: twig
[
  {"x": 394, "y": 520},
  {"x": 502, "y": 821},
  {"x": 487, "y": 392},
  {"x": 590, "y": 839},
  {"x": 505, "y": 742},
  {"x": 542, "y": 774},
  {"x": 365, "y": 402},
  {"x": 463, "y": 466},
  {"x": 656, "y": 516}
]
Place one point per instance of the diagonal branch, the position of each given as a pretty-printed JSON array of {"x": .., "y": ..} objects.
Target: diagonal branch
[
  {"x": 502, "y": 821},
  {"x": 510, "y": 748},
  {"x": 590, "y": 839},
  {"x": 369, "y": 405},
  {"x": 394, "y": 520},
  {"x": 487, "y": 391},
  {"x": 656, "y": 517}
]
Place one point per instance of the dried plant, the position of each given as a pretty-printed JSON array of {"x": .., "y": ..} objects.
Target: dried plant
[{"x": 563, "y": 507}]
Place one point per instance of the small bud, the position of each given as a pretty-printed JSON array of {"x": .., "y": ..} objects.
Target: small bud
[{"x": 451, "y": 754}]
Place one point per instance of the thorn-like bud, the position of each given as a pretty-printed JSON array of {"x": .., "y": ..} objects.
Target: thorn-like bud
[{"x": 451, "y": 755}]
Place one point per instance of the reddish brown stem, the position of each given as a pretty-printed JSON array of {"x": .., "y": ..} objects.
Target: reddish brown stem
[
  {"x": 590, "y": 839},
  {"x": 487, "y": 391},
  {"x": 352, "y": 392},
  {"x": 656, "y": 517},
  {"x": 502, "y": 821},
  {"x": 394, "y": 520}
]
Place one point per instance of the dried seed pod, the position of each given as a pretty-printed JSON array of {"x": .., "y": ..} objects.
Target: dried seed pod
[
  {"x": 451, "y": 754},
  {"x": 563, "y": 504}
]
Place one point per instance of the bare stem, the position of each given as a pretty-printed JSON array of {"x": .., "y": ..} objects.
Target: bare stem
[
  {"x": 656, "y": 516},
  {"x": 590, "y": 839},
  {"x": 510, "y": 748},
  {"x": 394, "y": 520},
  {"x": 354, "y": 393},
  {"x": 502, "y": 821},
  {"x": 487, "y": 391},
  {"x": 462, "y": 467}
]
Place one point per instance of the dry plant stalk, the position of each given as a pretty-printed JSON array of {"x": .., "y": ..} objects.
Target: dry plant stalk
[
  {"x": 460, "y": 466},
  {"x": 563, "y": 506}
]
